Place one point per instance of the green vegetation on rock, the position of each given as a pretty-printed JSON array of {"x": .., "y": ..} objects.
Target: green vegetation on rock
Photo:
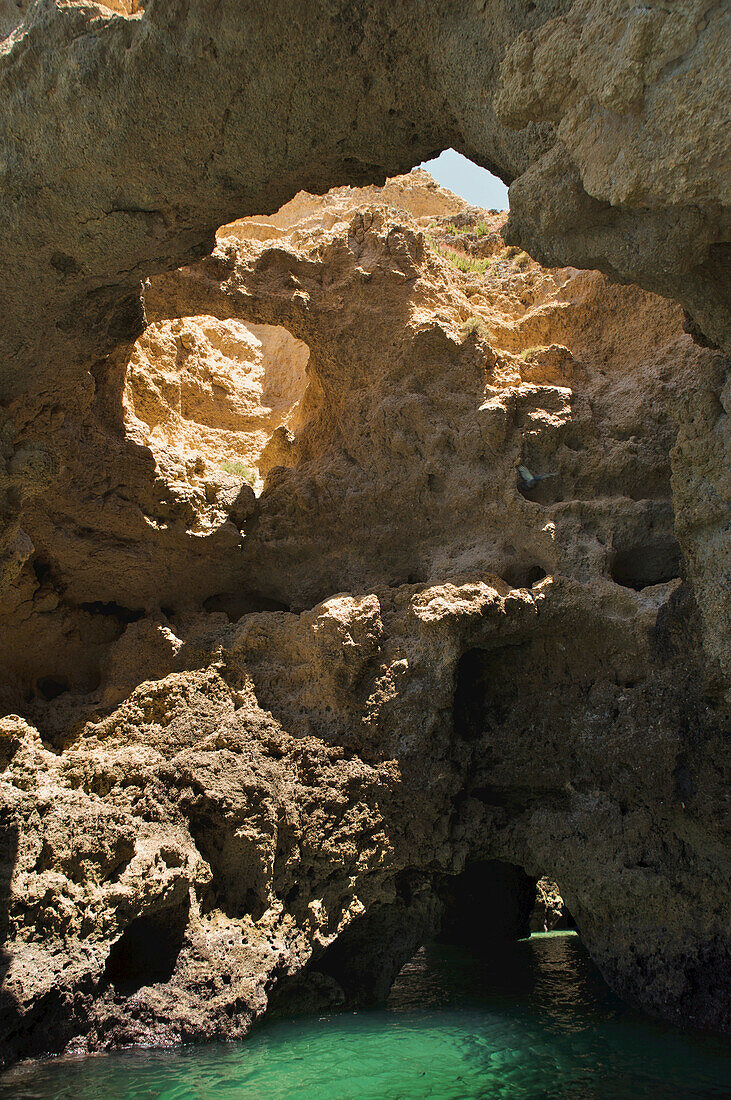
[{"x": 240, "y": 469}]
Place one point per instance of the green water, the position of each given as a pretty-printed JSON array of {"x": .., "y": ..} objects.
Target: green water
[{"x": 542, "y": 1024}]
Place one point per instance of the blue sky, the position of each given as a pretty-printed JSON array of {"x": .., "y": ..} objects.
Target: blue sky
[{"x": 475, "y": 184}]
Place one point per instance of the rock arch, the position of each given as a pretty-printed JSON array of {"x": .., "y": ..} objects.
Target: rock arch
[{"x": 319, "y": 729}]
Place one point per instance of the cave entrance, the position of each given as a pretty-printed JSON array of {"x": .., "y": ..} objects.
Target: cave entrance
[
  {"x": 213, "y": 399},
  {"x": 148, "y": 949},
  {"x": 489, "y": 903},
  {"x": 493, "y": 902},
  {"x": 488, "y": 906},
  {"x": 640, "y": 567}
]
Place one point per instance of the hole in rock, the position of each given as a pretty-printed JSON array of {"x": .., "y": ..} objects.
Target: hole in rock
[
  {"x": 236, "y": 604},
  {"x": 545, "y": 490},
  {"x": 215, "y": 400},
  {"x": 524, "y": 576},
  {"x": 42, "y": 570},
  {"x": 416, "y": 578},
  {"x": 240, "y": 883},
  {"x": 641, "y": 566},
  {"x": 489, "y": 903},
  {"x": 486, "y": 958},
  {"x": 147, "y": 951},
  {"x": 50, "y": 687},
  {"x": 116, "y": 610},
  {"x": 477, "y": 185},
  {"x": 408, "y": 578},
  {"x": 359, "y": 967}
]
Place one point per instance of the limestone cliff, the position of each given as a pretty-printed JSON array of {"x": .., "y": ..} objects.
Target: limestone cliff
[
  {"x": 299, "y": 655},
  {"x": 130, "y": 133}
]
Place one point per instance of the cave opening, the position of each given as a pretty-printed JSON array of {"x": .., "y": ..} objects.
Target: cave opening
[
  {"x": 148, "y": 949},
  {"x": 216, "y": 401},
  {"x": 114, "y": 610},
  {"x": 640, "y": 567},
  {"x": 521, "y": 575},
  {"x": 479, "y": 912},
  {"x": 50, "y": 687},
  {"x": 235, "y": 604},
  {"x": 493, "y": 902},
  {"x": 470, "y": 181},
  {"x": 489, "y": 903}
]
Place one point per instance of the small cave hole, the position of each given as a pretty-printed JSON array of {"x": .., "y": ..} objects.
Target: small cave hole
[
  {"x": 418, "y": 577},
  {"x": 236, "y": 604},
  {"x": 116, "y": 610},
  {"x": 230, "y": 403},
  {"x": 42, "y": 571},
  {"x": 524, "y": 576},
  {"x": 148, "y": 949},
  {"x": 240, "y": 885},
  {"x": 545, "y": 490},
  {"x": 641, "y": 566},
  {"x": 50, "y": 687},
  {"x": 408, "y": 578}
]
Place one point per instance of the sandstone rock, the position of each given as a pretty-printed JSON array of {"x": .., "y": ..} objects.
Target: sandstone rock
[
  {"x": 416, "y": 193},
  {"x": 227, "y": 824},
  {"x": 549, "y": 912},
  {"x": 258, "y": 743},
  {"x": 128, "y": 136},
  {"x": 213, "y": 389}
]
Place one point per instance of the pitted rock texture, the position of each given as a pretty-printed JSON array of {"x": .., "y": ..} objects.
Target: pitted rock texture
[
  {"x": 261, "y": 738},
  {"x": 130, "y": 134},
  {"x": 549, "y": 914},
  {"x": 227, "y": 824},
  {"x": 216, "y": 389}
]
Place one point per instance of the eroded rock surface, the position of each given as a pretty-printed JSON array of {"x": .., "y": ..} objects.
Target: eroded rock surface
[
  {"x": 130, "y": 133},
  {"x": 549, "y": 913},
  {"x": 261, "y": 738}
]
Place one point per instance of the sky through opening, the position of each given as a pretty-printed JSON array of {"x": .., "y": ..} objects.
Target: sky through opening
[{"x": 478, "y": 186}]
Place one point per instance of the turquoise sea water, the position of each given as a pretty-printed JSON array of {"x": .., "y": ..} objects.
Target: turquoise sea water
[{"x": 541, "y": 1024}]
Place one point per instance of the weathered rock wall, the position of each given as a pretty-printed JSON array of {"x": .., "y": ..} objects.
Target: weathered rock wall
[
  {"x": 250, "y": 791},
  {"x": 128, "y": 137}
]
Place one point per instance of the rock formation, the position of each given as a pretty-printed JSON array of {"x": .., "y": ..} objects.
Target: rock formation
[
  {"x": 272, "y": 729},
  {"x": 130, "y": 133},
  {"x": 294, "y": 655},
  {"x": 549, "y": 912}
]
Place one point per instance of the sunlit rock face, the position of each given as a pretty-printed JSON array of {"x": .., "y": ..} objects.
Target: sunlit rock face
[
  {"x": 130, "y": 133},
  {"x": 287, "y": 636},
  {"x": 216, "y": 389},
  {"x": 357, "y": 575}
]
